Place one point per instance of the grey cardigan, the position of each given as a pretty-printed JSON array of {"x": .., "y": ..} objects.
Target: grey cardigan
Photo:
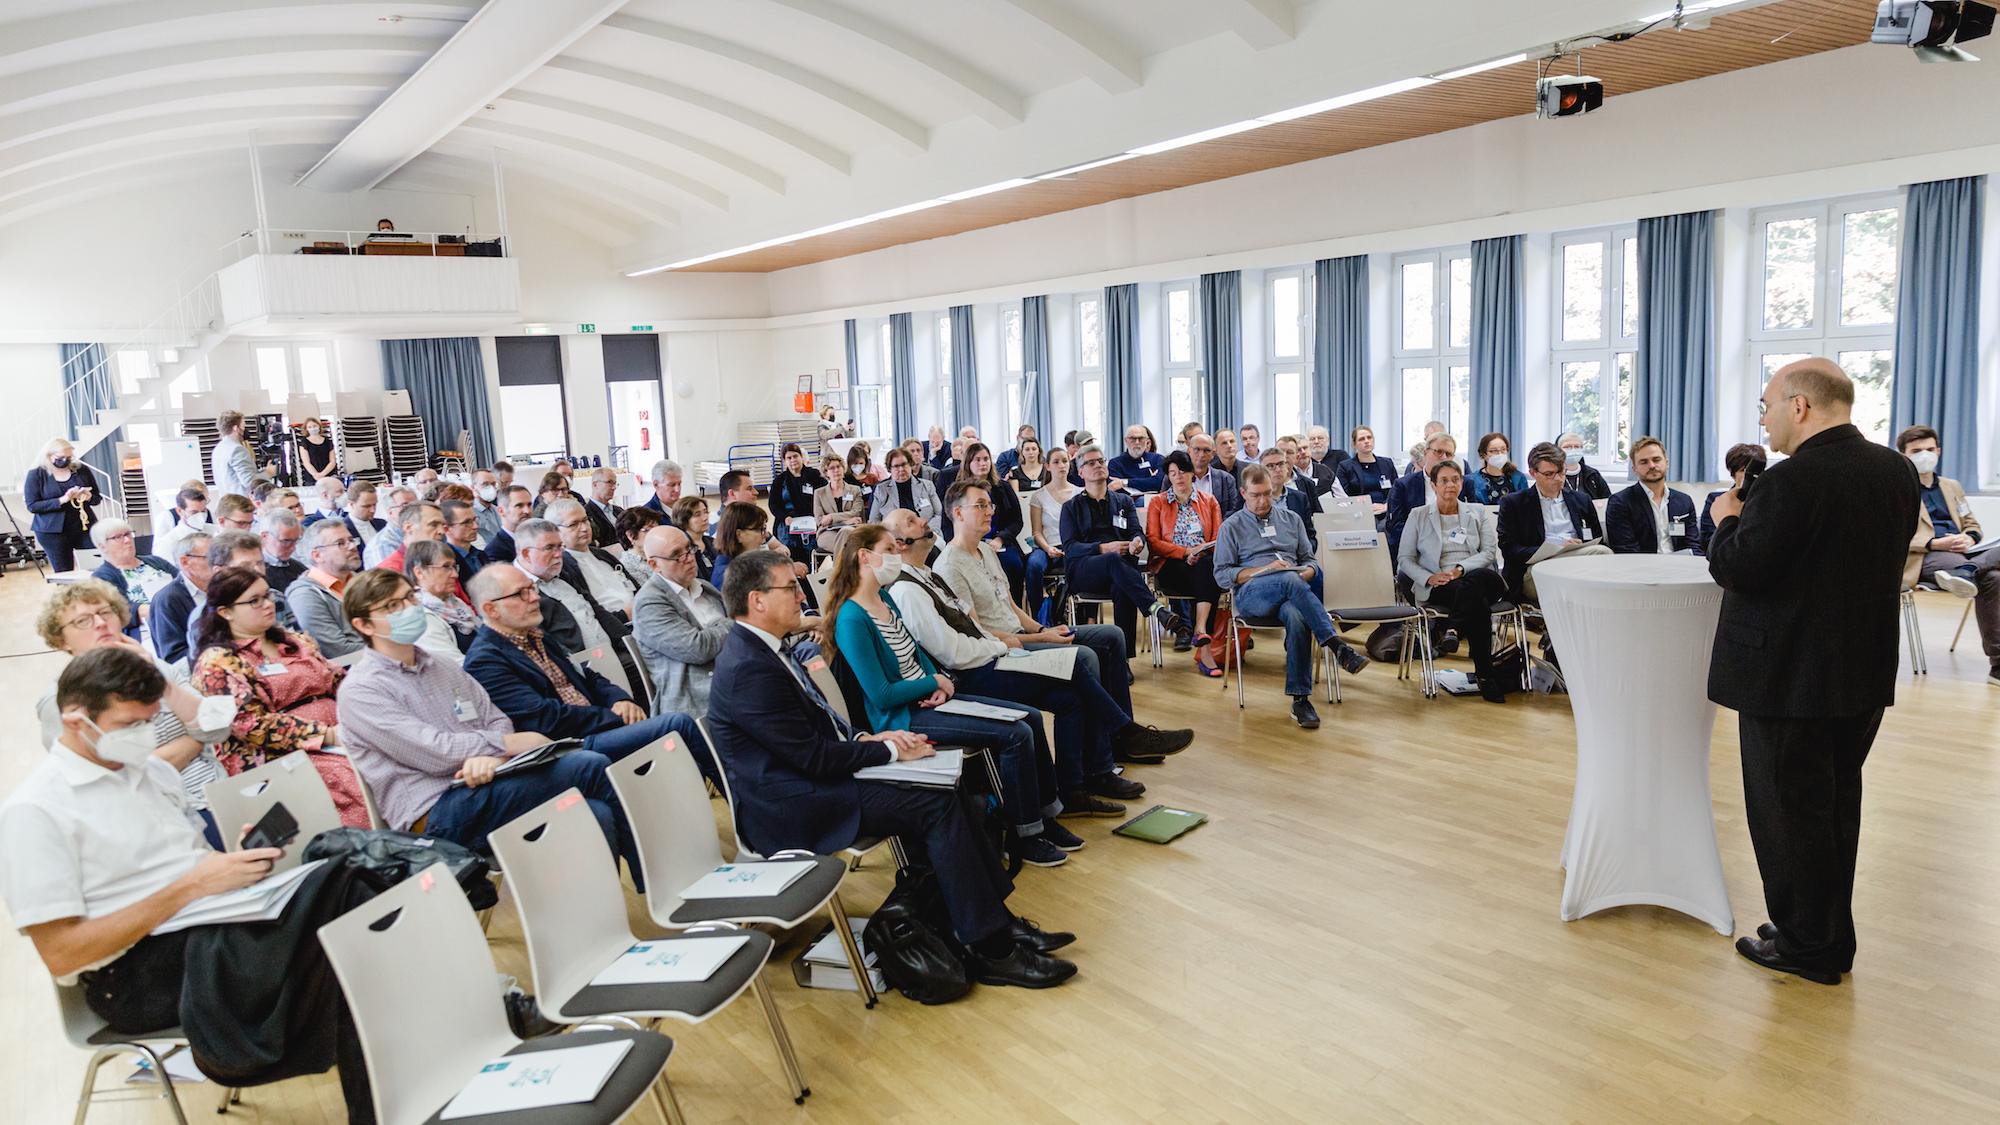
[
  {"x": 317, "y": 610},
  {"x": 1422, "y": 551},
  {"x": 928, "y": 507},
  {"x": 679, "y": 651}
]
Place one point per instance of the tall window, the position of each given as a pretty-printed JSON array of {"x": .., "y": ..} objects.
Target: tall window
[
  {"x": 945, "y": 416},
  {"x": 1823, "y": 282},
  {"x": 1185, "y": 402},
  {"x": 299, "y": 368},
  {"x": 1012, "y": 362},
  {"x": 1090, "y": 362},
  {"x": 1596, "y": 339},
  {"x": 533, "y": 421},
  {"x": 1290, "y": 293},
  {"x": 633, "y": 401},
  {"x": 875, "y": 395},
  {"x": 1433, "y": 345}
]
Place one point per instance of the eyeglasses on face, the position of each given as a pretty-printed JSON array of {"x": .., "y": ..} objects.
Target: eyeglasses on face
[
  {"x": 253, "y": 602},
  {"x": 408, "y": 599},
  {"x": 91, "y": 617},
  {"x": 673, "y": 556},
  {"x": 526, "y": 592},
  {"x": 791, "y": 588},
  {"x": 118, "y": 537}
]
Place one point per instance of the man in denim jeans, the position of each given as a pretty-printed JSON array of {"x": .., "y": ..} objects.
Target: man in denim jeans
[{"x": 1263, "y": 554}]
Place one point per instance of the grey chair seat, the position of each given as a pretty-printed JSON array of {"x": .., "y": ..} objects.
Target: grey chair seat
[
  {"x": 807, "y": 894},
  {"x": 627, "y": 1084},
  {"x": 1378, "y": 613},
  {"x": 694, "y": 1000},
  {"x": 862, "y": 845},
  {"x": 105, "y": 1037}
]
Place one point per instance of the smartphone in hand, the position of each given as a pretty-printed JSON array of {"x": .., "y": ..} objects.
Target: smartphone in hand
[{"x": 275, "y": 829}]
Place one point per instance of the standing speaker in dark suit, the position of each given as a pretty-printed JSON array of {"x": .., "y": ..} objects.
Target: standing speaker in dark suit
[{"x": 1811, "y": 567}]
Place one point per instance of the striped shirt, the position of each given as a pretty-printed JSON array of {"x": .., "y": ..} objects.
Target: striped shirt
[{"x": 902, "y": 644}]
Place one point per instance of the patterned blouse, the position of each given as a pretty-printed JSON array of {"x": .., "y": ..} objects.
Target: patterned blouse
[
  {"x": 1187, "y": 523},
  {"x": 281, "y": 706}
]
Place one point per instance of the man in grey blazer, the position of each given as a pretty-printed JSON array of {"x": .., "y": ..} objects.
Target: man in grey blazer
[{"x": 679, "y": 621}]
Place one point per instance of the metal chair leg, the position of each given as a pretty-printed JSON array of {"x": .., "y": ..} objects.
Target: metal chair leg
[
  {"x": 90, "y": 1070},
  {"x": 663, "y": 1098},
  {"x": 230, "y": 1096},
  {"x": 1962, "y": 619},
  {"x": 854, "y": 959},
  {"x": 782, "y": 1041},
  {"x": 1236, "y": 641},
  {"x": 166, "y": 1082}
]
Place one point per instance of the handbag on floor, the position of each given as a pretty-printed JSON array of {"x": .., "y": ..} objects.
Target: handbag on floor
[{"x": 908, "y": 935}]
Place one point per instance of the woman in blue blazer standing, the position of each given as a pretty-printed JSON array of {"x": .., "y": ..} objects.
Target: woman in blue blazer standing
[
  {"x": 61, "y": 491},
  {"x": 902, "y": 689}
]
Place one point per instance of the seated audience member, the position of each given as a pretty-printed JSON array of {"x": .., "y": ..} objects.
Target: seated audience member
[
  {"x": 1180, "y": 536},
  {"x": 1028, "y": 470},
  {"x": 904, "y": 490},
  {"x": 190, "y": 516},
  {"x": 573, "y": 621},
  {"x": 691, "y": 516},
  {"x": 860, "y": 468},
  {"x": 1211, "y": 479},
  {"x": 1946, "y": 533},
  {"x": 461, "y": 534},
  {"x": 901, "y": 688},
  {"x": 1450, "y": 555},
  {"x": 503, "y": 474},
  {"x": 280, "y": 532},
  {"x": 1226, "y": 457},
  {"x": 418, "y": 521},
  {"x": 1003, "y": 465},
  {"x": 1044, "y": 508},
  {"x": 101, "y": 850},
  {"x": 416, "y": 723},
  {"x": 424, "y": 478},
  {"x": 1364, "y": 474},
  {"x": 449, "y": 623},
  {"x": 139, "y": 578},
  {"x": 234, "y": 515},
  {"x": 1086, "y": 720},
  {"x": 1578, "y": 475},
  {"x": 1414, "y": 490},
  {"x": 922, "y": 468},
  {"x": 599, "y": 509},
  {"x": 791, "y": 492},
  {"x": 1495, "y": 477},
  {"x": 284, "y": 689},
  {"x": 1262, "y": 553},
  {"x": 329, "y": 495},
  {"x": 1305, "y": 472},
  {"x": 791, "y": 762},
  {"x": 937, "y": 451},
  {"x": 679, "y": 623},
  {"x": 1431, "y": 429},
  {"x": 360, "y": 512},
  {"x": 286, "y": 500},
  {"x": 84, "y": 616},
  {"x": 175, "y": 606},
  {"x": 552, "y": 487},
  {"x": 540, "y": 690},
  {"x": 1248, "y": 435},
  {"x": 1319, "y": 443},
  {"x": 1138, "y": 466},
  {"x": 315, "y": 599},
  {"x": 737, "y": 488},
  {"x": 837, "y": 508},
  {"x": 514, "y": 505},
  {"x": 743, "y": 528},
  {"x": 391, "y": 536},
  {"x": 667, "y": 478},
  {"x": 1548, "y": 514},
  {"x": 1102, "y": 537},
  {"x": 1741, "y": 458},
  {"x": 633, "y": 524},
  {"x": 486, "y": 503},
  {"x": 969, "y": 571},
  {"x": 564, "y": 468},
  {"x": 1293, "y": 494},
  {"x": 590, "y": 569},
  {"x": 1649, "y": 518},
  {"x": 1007, "y": 520},
  {"x": 228, "y": 548}
]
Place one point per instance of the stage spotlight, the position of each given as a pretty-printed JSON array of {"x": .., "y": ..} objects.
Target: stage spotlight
[
  {"x": 1934, "y": 29},
  {"x": 1568, "y": 95}
]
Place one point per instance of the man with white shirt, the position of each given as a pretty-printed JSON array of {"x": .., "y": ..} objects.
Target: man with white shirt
[
  {"x": 1548, "y": 514},
  {"x": 191, "y": 506},
  {"x": 608, "y": 583},
  {"x": 1649, "y": 518},
  {"x": 1211, "y": 478},
  {"x": 486, "y": 503},
  {"x": 572, "y": 620}
]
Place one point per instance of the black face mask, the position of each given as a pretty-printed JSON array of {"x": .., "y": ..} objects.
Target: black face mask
[{"x": 59, "y": 462}]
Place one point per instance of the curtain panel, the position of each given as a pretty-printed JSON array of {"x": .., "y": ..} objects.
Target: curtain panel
[
  {"x": 1340, "y": 345},
  {"x": 447, "y": 384},
  {"x": 1221, "y": 297},
  {"x": 902, "y": 376},
  {"x": 964, "y": 370},
  {"x": 1499, "y": 356},
  {"x": 1674, "y": 394},
  {"x": 1036, "y": 407},
  {"x": 1937, "y": 321},
  {"x": 1123, "y": 402}
]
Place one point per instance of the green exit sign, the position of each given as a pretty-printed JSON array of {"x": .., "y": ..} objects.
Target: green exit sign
[
  {"x": 586, "y": 328},
  {"x": 642, "y": 328}
]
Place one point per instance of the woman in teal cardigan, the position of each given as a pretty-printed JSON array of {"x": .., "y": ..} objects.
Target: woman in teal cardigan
[{"x": 902, "y": 689}]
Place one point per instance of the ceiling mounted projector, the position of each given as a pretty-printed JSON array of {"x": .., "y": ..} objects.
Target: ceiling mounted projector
[
  {"x": 1568, "y": 95},
  {"x": 1933, "y": 28}
]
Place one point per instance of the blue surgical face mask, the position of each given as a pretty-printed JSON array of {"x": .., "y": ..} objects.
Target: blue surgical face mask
[
  {"x": 1572, "y": 458},
  {"x": 407, "y": 624}
]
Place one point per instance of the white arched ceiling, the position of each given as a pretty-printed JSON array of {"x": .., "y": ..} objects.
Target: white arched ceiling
[{"x": 689, "y": 125}]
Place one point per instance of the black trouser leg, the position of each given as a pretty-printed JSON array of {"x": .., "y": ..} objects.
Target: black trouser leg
[
  {"x": 974, "y": 885},
  {"x": 1470, "y": 598}
]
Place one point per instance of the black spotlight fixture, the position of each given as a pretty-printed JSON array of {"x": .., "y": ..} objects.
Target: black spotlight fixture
[{"x": 1934, "y": 29}]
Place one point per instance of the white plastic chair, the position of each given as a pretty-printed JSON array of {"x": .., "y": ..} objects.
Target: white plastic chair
[
  {"x": 1360, "y": 589},
  {"x": 631, "y": 645},
  {"x": 419, "y": 982},
  {"x": 245, "y": 798},
  {"x": 572, "y": 908},
  {"x": 667, "y": 806},
  {"x": 604, "y": 661},
  {"x": 87, "y": 1031}
]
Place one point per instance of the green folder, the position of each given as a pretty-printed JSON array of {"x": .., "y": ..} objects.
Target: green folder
[{"x": 1160, "y": 824}]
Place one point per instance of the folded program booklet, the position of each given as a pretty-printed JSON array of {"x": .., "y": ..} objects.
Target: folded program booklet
[{"x": 1161, "y": 824}]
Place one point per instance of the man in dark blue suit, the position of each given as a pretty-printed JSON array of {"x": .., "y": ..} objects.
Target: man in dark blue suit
[
  {"x": 1413, "y": 491},
  {"x": 1293, "y": 491},
  {"x": 792, "y": 760},
  {"x": 540, "y": 690},
  {"x": 1547, "y": 514},
  {"x": 1633, "y": 522}
]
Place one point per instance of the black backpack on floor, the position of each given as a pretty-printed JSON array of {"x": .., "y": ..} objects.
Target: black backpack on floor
[{"x": 910, "y": 937}]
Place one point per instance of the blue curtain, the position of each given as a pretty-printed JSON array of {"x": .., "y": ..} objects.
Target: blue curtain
[
  {"x": 447, "y": 384},
  {"x": 853, "y": 371},
  {"x": 1340, "y": 345},
  {"x": 964, "y": 371},
  {"x": 1673, "y": 386},
  {"x": 902, "y": 378},
  {"x": 1499, "y": 356},
  {"x": 1937, "y": 320},
  {"x": 90, "y": 384},
  {"x": 1123, "y": 405},
  {"x": 1035, "y": 408},
  {"x": 1222, "y": 347}
]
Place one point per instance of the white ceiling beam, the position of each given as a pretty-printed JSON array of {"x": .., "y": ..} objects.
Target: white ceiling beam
[
  {"x": 24, "y": 37},
  {"x": 232, "y": 139},
  {"x": 629, "y": 168},
  {"x": 797, "y": 139},
  {"x": 22, "y": 92},
  {"x": 21, "y": 128},
  {"x": 1069, "y": 34},
  {"x": 499, "y": 46},
  {"x": 1261, "y": 23},
  {"x": 592, "y": 219},
  {"x": 891, "y": 122},
  {"x": 983, "y": 93},
  {"x": 596, "y": 193},
  {"x": 120, "y": 134},
  {"x": 673, "y": 138}
]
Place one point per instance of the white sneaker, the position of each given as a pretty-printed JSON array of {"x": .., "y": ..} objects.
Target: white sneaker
[{"x": 1952, "y": 583}]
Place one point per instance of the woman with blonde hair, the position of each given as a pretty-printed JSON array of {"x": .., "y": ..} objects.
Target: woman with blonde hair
[{"x": 61, "y": 491}]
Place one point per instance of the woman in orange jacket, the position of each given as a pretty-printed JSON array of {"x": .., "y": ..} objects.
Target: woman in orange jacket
[{"x": 1181, "y": 525}]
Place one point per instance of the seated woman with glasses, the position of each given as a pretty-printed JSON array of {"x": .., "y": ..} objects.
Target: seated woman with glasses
[
  {"x": 1450, "y": 552},
  {"x": 449, "y": 621},
  {"x": 139, "y": 577},
  {"x": 1181, "y": 527},
  {"x": 283, "y": 687},
  {"x": 839, "y": 506},
  {"x": 691, "y": 516},
  {"x": 903, "y": 688}
]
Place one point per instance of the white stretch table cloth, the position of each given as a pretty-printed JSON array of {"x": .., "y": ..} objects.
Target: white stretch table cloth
[{"x": 1634, "y": 633}]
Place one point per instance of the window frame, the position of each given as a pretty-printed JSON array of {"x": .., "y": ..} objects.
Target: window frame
[
  {"x": 1441, "y": 357},
  {"x": 1080, "y": 300},
  {"x": 1606, "y": 348},
  {"x": 1013, "y": 364}
]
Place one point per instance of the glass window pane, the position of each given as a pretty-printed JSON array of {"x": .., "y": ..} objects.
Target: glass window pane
[
  {"x": 636, "y": 431},
  {"x": 133, "y": 365},
  {"x": 1870, "y": 242},
  {"x": 1419, "y": 306},
  {"x": 314, "y": 378},
  {"x": 1288, "y": 391},
  {"x": 1013, "y": 408},
  {"x": 271, "y": 374},
  {"x": 1628, "y": 317},
  {"x": 1093, "y": 406},
  {"x": 1180, "y": 326},
  {"x": 1871, "y": 371},
  {"x": 144, "y": 433},
  {"x": 1461, "y": 302},
  {"x": 1089, "y": 337},
  {"x": 1014, "y": 341},
  {"x": 1418, "y": 392},
  {"x": 1776, "y": 360},
  {"x": 944, "y": 346},
  {"x": 1458, "y": 421},
  {"x": 1285, "y": 317},
  {"x": 1625, "y": 362},
  {"x": 1182, "y": 406},
  {"x": 531, "y": 421},
  {"x": 186, "y": 383},
  {"x": 1583, "y": 404},
  {"x": 1583, "y": 291},
  {"x": 886, "y": 345},
  {"x": 1791, "y": 249}
]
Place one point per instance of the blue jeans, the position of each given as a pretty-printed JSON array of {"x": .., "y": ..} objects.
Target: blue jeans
[
  {"x": 634, "y": 737},
  {"x": 1018, "y": 755},
  {"x": 1014, "y": 564},
  {"x": 1116, "y": 577},
  {"x": 1084, "y": 714},
  {"x": 1034, "y": 569},
  {"x": 1289, "y": 599},
  {"x": 465, "y": 814}
]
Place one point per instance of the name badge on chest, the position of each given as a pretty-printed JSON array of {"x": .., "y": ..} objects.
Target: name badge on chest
[
  {"x": 274, "y": 668},
  {"x": 463, "y": 710},
  {"x": 1677, "y": 527},
  {"x": 1268, "y": 531},
  {"x": 1118, "y": 521},
  {"x": 1455, "y": 535}
]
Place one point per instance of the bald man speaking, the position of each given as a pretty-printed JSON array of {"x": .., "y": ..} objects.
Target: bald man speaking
[{"x": 1811, "y": 567}]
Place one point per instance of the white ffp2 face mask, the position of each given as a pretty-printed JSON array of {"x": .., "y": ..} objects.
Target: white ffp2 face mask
[
  {"x": 213, "y": 718},
  {"x": 1925, "y": 460},
  {"x": 127, "y": 746}
]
